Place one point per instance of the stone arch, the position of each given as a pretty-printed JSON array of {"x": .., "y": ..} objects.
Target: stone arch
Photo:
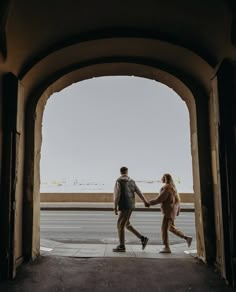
[
  {"x": 193, "y": 95},
  {"x": 36, "y": 50}
]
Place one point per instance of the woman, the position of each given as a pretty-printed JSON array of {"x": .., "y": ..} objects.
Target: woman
[{"x": 170, "y": 205}]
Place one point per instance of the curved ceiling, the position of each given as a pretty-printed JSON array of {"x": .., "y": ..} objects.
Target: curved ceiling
[
  {"x": 42, "y": 38},
  {"x": 135, "y": 50},
  {"x": 114, "y": 69}
]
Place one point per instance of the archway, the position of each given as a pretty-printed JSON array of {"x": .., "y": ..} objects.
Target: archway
[
  {"x": 33, "y": 152},
  {"x": 34, "y": 56}
]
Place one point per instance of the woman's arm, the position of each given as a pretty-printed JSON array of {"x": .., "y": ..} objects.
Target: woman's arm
[{"x": 163, "y": 195}]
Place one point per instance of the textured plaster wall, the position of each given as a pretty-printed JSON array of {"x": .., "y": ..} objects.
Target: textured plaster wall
[
  {"x": 20, "y": 177},
  {"x": 214, "y": 123}
]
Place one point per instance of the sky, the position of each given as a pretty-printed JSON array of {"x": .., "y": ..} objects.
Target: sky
[{"x": 93, "y": 127}]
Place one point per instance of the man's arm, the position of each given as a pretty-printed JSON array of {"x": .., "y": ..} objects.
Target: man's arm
[
  {"x": 141, "y": 196},
  {"x": 116, "y": 197}
]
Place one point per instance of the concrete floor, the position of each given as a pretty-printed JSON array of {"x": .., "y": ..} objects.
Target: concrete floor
[{"x": 95, "y": 268}]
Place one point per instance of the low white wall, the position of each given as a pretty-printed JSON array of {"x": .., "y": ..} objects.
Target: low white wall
[{"x": 100, "y": 197}]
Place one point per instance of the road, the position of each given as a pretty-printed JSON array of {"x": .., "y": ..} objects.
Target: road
[{"x": 100, "y": 226}]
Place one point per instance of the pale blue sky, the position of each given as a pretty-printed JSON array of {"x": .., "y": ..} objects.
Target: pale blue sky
[{"x": 94, "y": 127}]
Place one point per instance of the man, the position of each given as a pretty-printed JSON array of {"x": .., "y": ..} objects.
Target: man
[{"x": 124, "y": 201}]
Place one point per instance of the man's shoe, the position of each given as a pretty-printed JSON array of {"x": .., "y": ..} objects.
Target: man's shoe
[
  {"x": 144, "y": 241},
  {"x": 119, "y": 248},
  {"x": 165, "y": 250},
  {"x": 189, "y": 240}
]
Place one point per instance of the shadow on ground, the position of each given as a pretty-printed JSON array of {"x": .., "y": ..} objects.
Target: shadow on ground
[{"x": 54, "y": 273}]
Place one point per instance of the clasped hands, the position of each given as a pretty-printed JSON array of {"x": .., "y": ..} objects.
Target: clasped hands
[{"x": 147, "y": 204}]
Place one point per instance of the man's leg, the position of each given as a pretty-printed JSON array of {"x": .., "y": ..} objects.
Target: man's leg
[
  {"x": 130, "y": 227},
  {"x": 144, "y": 240},
  {"x": 121, "y": 231},
  {"x": 121, "y": 226}
]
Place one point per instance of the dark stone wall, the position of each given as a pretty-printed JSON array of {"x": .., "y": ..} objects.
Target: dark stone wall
[
  {"x": 8, "y": 175},
  {"x": 227, "y": 135}
]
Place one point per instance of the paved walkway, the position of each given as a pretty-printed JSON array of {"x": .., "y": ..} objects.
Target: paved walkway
[{"x": 95, "y": 268}]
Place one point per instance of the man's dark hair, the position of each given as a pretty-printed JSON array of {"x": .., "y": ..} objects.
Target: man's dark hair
[{"x": 123, "y": 170}]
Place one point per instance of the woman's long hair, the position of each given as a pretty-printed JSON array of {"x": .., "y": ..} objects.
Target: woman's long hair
[{"x": 170, "y": 182}]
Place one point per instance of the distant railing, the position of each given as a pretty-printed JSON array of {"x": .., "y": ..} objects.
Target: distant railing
[{"x": 100, "y": 197}]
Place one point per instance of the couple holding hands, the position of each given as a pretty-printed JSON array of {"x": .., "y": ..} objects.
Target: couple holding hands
[{"x": 124, "y": 204}]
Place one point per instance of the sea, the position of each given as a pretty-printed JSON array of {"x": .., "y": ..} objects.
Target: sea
[{"x": 77, "y": 185}]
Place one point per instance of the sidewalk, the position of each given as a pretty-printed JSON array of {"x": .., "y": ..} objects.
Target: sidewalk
[
  {"x": 84, "y": 206},
  {"x": 52, "y": 248}
]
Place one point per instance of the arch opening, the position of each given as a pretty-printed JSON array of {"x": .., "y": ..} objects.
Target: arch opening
[
  {"x": 113, "y": 121},
  {"x": 36, "y": 108}
]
